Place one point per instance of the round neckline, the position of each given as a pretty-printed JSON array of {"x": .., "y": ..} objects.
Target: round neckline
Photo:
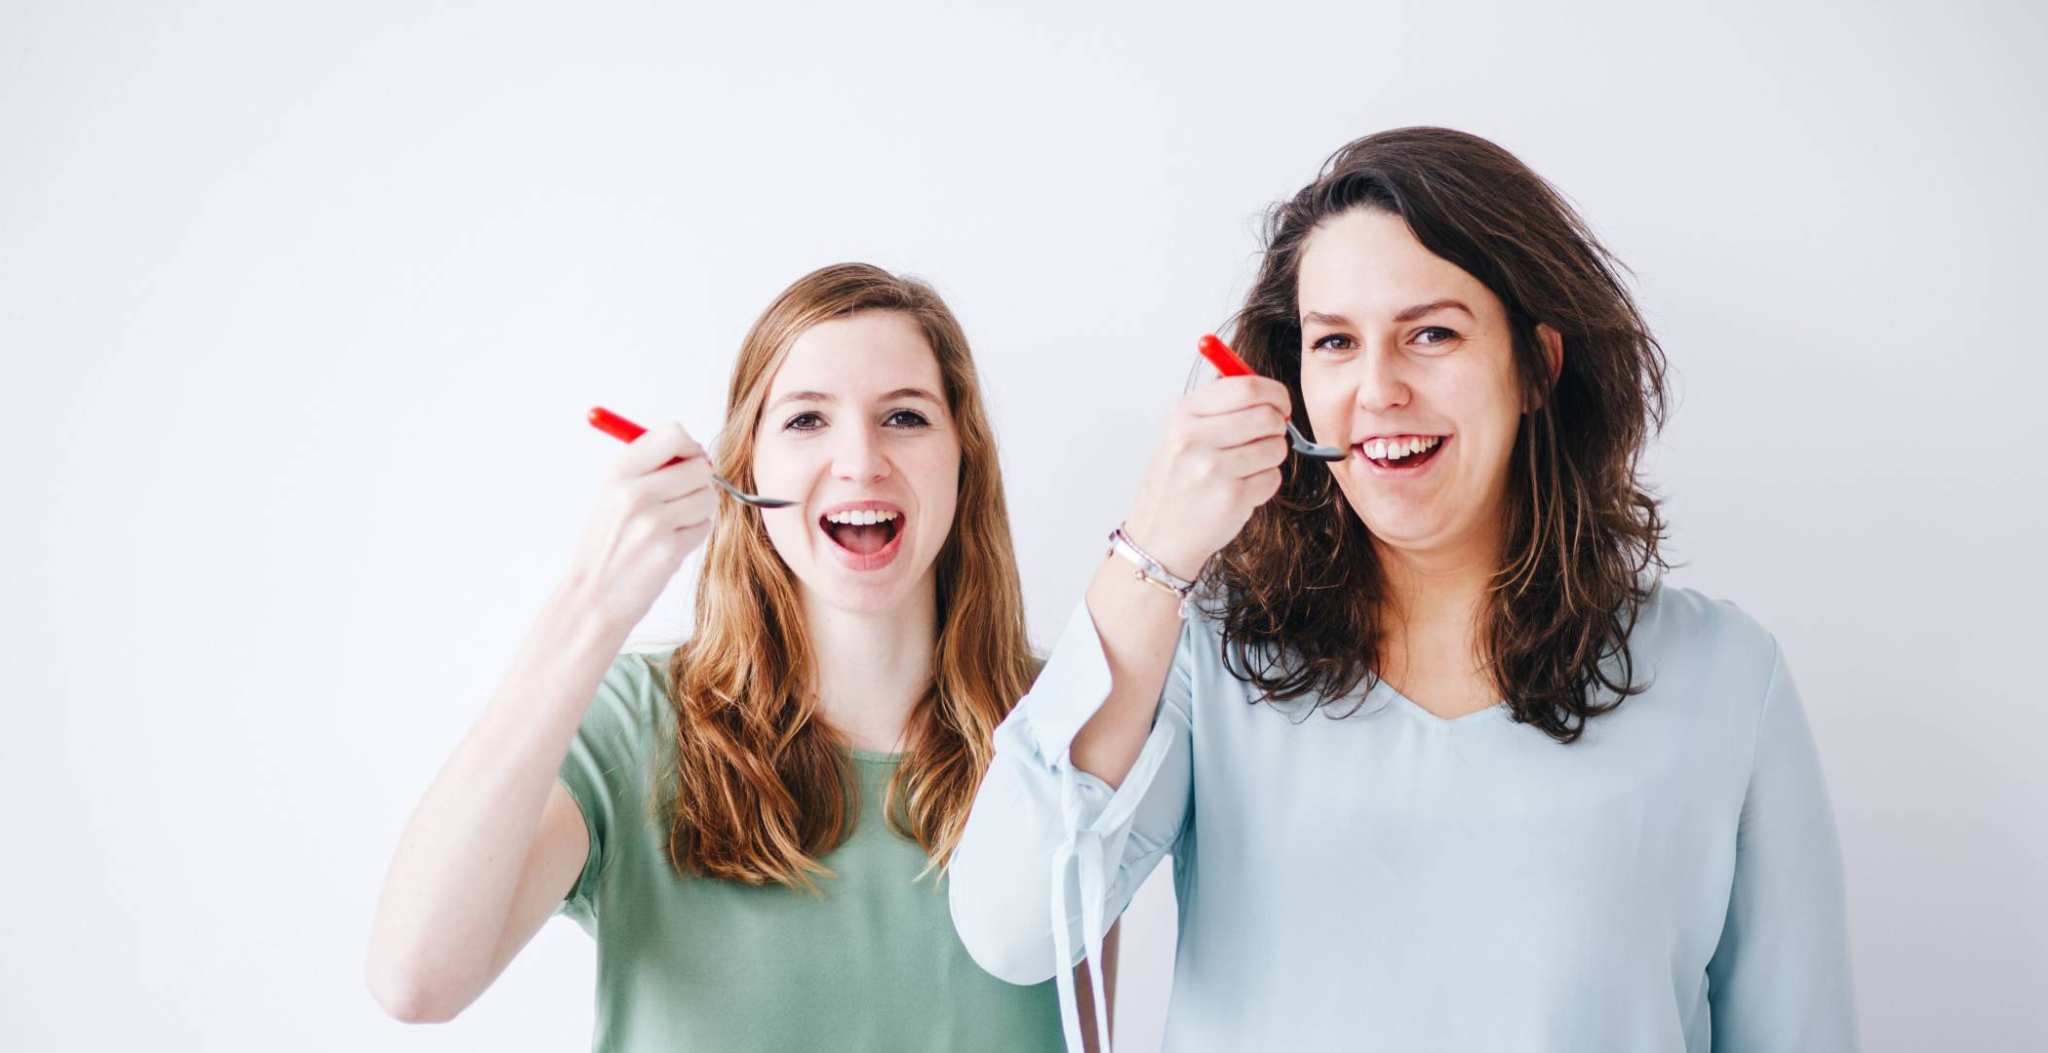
[{"x": 872, "y": 756}]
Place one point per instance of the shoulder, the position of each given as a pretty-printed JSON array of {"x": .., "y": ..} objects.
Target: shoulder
[
  {"x": 644, "y": 669},
  {"x": 1034, "y": 664},
  {"x": 632, "y": 700},
  {"x": 641, "y": 675},
  {"x": 1676, "y": 623},
  {"x": 1706, "y": 654},
  {"x": 1206, "y": 665}
]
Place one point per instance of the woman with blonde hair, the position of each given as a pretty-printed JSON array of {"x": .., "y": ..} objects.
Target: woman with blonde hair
[{"x": 754, "y": 826}]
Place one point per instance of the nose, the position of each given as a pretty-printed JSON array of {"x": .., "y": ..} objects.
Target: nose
[
  {"x": 857, "y": 455},
  {"x": 1381, "y": 385}
]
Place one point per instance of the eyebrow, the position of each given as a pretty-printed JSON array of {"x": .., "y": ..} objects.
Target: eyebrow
[
  {"x": 820, "y": 396},
  {"x": 1406, "y": 314}
]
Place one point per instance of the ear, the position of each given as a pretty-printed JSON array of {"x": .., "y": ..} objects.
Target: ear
[{"x": 1552, "y": 343}]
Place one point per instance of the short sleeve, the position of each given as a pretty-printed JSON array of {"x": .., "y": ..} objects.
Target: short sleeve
[{"x": 609, "y": 769}]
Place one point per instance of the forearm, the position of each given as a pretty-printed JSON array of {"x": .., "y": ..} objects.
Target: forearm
[
  {"x": 451, "y": 885},
  {"x": 1139, "y": 626}
]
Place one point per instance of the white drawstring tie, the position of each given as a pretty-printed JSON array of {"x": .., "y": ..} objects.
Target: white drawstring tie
[{"x": 1082, "y": 849}]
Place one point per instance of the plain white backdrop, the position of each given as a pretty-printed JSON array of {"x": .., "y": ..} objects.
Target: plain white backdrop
[{"x": 301, "y": 307}]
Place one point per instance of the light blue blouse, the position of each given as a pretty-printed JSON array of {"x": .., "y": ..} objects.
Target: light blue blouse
[{"x": 1393, "y": 880}]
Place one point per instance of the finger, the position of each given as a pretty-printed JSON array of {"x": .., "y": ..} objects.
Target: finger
[
  {"x": 695, "y": 509},
  {"x": 1262, "y": 486},
  {"x": 1253, "y": 458},
  {"x": 1230, "y": 394},
  {"x": 688, "y": 538},
  {"x": 1225, "y": 430},
  {"x": 672, "y": 481},
  {"x": 655, "y": 448}
]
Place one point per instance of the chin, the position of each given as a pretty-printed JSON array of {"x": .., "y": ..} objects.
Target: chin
[
  {"x": 1406, "y": 530},
  {"x": 855, "y": 599},
  {"x": 1402, "y": 540},
  {"x": 855, "y": 592}
]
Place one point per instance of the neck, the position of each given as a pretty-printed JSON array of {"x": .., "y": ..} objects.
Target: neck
[
  {"x": 1433, "y": 603},
  {"x": 1433, "y": 588},
  {"x": 872, "y": 667}
]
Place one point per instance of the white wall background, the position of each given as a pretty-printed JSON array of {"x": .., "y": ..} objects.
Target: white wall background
[{"x": 301, "y": 307}]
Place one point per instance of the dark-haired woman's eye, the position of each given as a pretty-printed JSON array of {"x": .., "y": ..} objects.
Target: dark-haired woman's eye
[
  {"x": 805, "y": 421},
  {"x": 1332, "y": 342},
  {"x": 904, "y": 418},
  {"x": 1436, "y": 335}
]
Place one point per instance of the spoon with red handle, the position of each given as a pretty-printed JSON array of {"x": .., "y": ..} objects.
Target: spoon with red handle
[
  {"x": 1227, "y": 363},
  {"x": 620, "y": 428}
]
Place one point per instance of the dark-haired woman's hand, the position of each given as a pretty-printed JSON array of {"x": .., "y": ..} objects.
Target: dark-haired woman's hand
[
  {"x": 1220, "y": 460},
  {"x": 650, "y": 515}
]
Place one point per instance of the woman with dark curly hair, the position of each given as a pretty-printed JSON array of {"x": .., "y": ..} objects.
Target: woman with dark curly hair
[{"x": 1441, "y": 761}]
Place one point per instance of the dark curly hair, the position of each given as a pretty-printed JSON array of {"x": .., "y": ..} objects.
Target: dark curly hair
[{"x": 1300, "y": 591}]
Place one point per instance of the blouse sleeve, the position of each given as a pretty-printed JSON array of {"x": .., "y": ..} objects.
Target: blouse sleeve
[
  {"x": 1779, "y": 979},
  {"x": 1051, "y": 855}
]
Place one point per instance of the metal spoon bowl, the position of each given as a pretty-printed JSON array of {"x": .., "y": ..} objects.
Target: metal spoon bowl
[
  {"x": 743, "y": 497},
  {"x": 1315, "y": 450}
]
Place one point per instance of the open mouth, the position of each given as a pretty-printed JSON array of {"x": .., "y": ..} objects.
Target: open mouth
[
  {"x": 867, "y": 538},
  {"x": 1406, "y": 453}
]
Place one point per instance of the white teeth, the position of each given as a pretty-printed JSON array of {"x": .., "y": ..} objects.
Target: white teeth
[
  {"x": 861, "y": 517},
  {"x": 1399, "y": 449}
]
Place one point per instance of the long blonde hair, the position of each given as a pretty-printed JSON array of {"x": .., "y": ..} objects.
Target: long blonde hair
[{"x": 761, "y": 788}]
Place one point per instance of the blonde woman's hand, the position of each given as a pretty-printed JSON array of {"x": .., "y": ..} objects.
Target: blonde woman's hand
[{"x": 649, "y": 516}]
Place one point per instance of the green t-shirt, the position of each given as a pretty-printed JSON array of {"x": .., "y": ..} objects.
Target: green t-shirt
[{"x": 869, "y": 962}]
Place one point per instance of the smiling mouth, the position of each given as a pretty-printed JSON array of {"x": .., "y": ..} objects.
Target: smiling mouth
[
  {"x": 1406, "y": 453},
  {"x": 866, "y": 535}
]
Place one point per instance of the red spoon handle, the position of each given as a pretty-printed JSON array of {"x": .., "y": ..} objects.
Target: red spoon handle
[
  {"x": 620, "y": 428},
  {"x": 1222, "y": 357}
]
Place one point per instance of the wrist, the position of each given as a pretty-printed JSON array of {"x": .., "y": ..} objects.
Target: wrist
[
  {"x": 576, "y": 614},
  {"x": 1175, "y": 561},
  {"x": 566, "y": 650},
  {"x": 1150, "y": 572}
]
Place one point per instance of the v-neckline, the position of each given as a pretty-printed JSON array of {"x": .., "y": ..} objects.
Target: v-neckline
[{"x": 1416, "y": 708}]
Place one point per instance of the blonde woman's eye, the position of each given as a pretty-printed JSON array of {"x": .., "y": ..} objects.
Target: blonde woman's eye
[
  {"x": 1332, "y": 342},
  {"x": 908, "y": 419},
  {"x": 806, "y": 421}
]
